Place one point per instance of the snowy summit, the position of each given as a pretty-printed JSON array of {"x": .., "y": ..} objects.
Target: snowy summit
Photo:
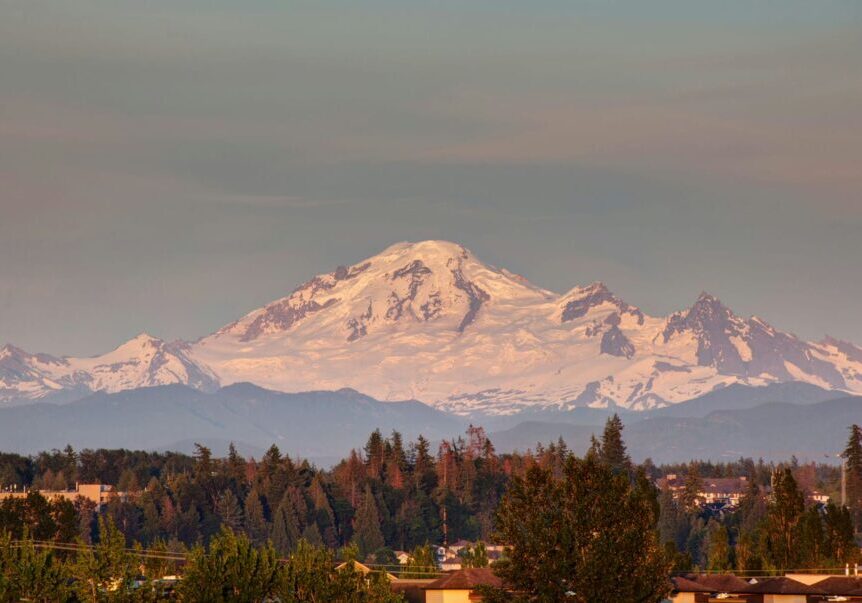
[{"x": 430, "y": 321}]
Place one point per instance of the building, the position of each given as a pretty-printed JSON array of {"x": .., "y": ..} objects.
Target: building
[
  {"x": 460, "y": 586},
  {"x": 363, "y": 569},
  {"x": 727, "y": 588},
  {"x": 726, "y": 491},
  {"x": 100, "y": 494},
  {"x": 402, "y": 556},
  {"x": 787, "y": 590}
]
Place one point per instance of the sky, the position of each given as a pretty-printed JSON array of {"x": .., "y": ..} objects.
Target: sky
[{"x": 168, "y": 166}]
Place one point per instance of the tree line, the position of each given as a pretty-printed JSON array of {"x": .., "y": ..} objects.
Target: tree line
[{"x": 392, "y": 495}]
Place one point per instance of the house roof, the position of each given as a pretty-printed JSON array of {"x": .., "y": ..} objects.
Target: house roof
[
  {"x": 720, "y": 583},
  {"x": 466, "y": 579},
  {"x": 785, "y": 586},
  {"x": 685, "y": 585},
  {"x": 840, "y": 585}
]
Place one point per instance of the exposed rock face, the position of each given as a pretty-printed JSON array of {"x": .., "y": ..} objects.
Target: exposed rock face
[
  {"x": 852, "y": 352},
  {"x": 615, "y": 343},
  {"x": 747, "y": 347},
  {"x": 581, "y": 300},
  {"x": 283, "y": 315},
  {"x": 475, "y": 296},
  {"x": 415, "y": 273}
]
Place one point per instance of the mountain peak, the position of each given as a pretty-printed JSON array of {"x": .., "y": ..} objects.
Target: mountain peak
[
  {"x": 10, "y": 350},
  {"x": 706, "y": 297},
  {"x": 406, "y": 283},
  {"x": 580, "y": 300},
  {"x": 430, "y": 248}
]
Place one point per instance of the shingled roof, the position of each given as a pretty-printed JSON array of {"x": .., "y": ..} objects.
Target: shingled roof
[
  {"x": 466, "y": 579},
  {"x": 840, "y": 585},
  {"x": 720, "y": 583},
  {"x": 685, "y": 585},
  {"x": 784, "y": 586}
]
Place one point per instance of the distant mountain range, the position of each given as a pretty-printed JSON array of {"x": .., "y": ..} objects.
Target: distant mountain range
[
  {"x": 773, "y": 431},
  {"x": 316, "y": 425},
  {"x": 428, "y": 321},
  {"x": 325, "y": 426}
]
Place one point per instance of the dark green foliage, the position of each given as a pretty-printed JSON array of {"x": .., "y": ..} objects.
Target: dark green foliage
[
  {"x": 309, "y": 576},
  {"x": 718, "y": 551},
  {"x": 411, "y": 491},
  {"x": 784, "y": 514},
  {"x": 612, "y": 450},
  {"x": 231, "y": 569},
  {"x": 476, "y": 556},
  {"x": 228, "y": 510},
  {"x": 853, "y": 461},
  {"x": 255, "y": 520},
  {"x": 367, "y": 534},
  {"x": 105, "y": 572},
  {"x": 838, "y": 538},
  {"x": 30, "y": 574},
  {"x": 285, "y": 526},
  {"x": 591, "y": 534},
  {"x": 422, "y": 563}
]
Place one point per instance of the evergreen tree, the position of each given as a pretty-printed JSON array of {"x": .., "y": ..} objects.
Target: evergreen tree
[
  {"x": 718, "y": 555},
  {"x": 692, "y": 488},
  {"x": 255, "y": 522},
  {"x": 367, "y": 534},
  {"x": 311, "y": 534},
  {"x": 749, "y": 552},
  {"x": 673, "y": 522},
  {"x": 235, "y": 467},
  {"x": 107, "y": 571},
  {"x": 28, "y": 574},
  {"x": 422, "y": 563},
  {"x": 783, "y": 515},
  {"x": 309, "y": 576},
  {"x": 809, "y": 553},
  {"x": 324, "y": 516},
  {"x": 600, "y": 527},
  {"x": 476, "y": 556},
  {"x": 374, "y": 454},
  {"x": 838, "y": 537},
  {"x": 424, "y": 466},
  {"x": 285, "y": 526},
  {"x": 233, "y": 569},
  {"x": 228, "y": 509},
  {"x": 613, "y": 449},
  {"x": 853, "y": 462}
]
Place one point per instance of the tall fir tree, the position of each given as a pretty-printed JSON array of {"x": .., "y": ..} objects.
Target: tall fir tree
[
  {"x": 228, "y": 509},
  {"x": 366, "y": 530},
  {"x": 255, "y": 520},
  {"x": 838, "y": 535},
  {"x": 285, "y": 526},
  {"x": 719, "y": 551},
  {"x": 613, "y": 449},
  {"x": 852, "y": 457},
  {"x": 783, "y": 516}
]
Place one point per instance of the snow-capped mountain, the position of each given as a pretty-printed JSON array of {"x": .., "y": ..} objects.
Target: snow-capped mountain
[
  {"x": 140, "y": 362},
  {"x": 430, "y": 321}
]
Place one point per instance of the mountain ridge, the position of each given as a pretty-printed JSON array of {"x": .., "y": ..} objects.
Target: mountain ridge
[{"x": 430, "y": 321}]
